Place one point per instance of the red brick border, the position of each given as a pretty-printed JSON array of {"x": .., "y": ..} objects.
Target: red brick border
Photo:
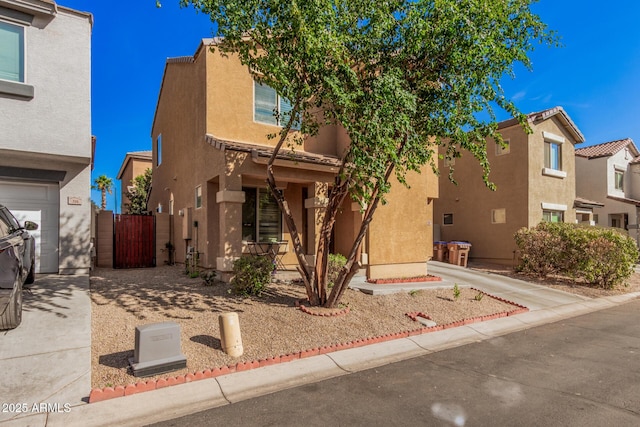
[
  {"x": 427, "y": 278},
  {"x": 106, "y": 393}
]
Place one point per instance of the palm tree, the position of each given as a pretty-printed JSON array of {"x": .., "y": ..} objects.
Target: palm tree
[{"x": 105, "y": 185}]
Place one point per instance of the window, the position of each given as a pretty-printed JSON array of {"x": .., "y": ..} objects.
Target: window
[
  {"x": 261, "y": 217},
  {"x": 498, "y": 216},
  {"x": 553, "y": 216},
  {"x": 447, "y": 219},
  {"x": 500, "y": 150},
  {"x": 595, "y": 218},
  {"x": 268, "y": 105},
  {"x": 198, "y": 196},
  {"x": 11, "y": 52},
  {"x": 552, "y": 155},
  {"x": 159, "y": 150},
  {"x": 619, "y": 180}
]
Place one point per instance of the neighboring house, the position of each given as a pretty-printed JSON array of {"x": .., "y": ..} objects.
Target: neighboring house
[
  {"x": 135, "y": 164},
  {"x": 610, "y": 174},
  {"x": 46, "y": 145},
  {"x": 210, "y": 149},
  {"x": 535, "y": 179}
]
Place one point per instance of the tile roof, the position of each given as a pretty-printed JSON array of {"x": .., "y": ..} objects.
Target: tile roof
[
  {"x": 263, "y": 151},
  {"x": 582, "y": 202},
  {"x": 625, "y": 200},
  {"x": 606, "y": 149},
  {"x": 540, "y": 116}
]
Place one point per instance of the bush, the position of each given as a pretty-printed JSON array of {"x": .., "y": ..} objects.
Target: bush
[
  {"x": 252, "y": 274},
  {"x": 209, "y": 277},
  {"x": 335, "y": 264},
  {"x": 599, "y": 256}
]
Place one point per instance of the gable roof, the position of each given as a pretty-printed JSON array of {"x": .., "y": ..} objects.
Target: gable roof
[
  {"x": 137, "y": 155},
  {"x": 607, "y": 149},
  {"x": 540, "y": 116}
]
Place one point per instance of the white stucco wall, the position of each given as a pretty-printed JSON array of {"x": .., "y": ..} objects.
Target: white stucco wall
[
  {"x": 58, "y": 64},
  {"x": 590, "y": 179},
  {"x": 52, "y": 130}
]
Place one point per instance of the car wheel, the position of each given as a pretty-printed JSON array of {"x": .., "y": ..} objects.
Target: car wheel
[
  {"x": 12, "y": 315},
  {"x": 31, "y": 277}
]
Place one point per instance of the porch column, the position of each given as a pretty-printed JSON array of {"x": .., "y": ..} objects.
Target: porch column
[
  {"x": 230, "y": 199},
  {"x": 315, "y": 207}
]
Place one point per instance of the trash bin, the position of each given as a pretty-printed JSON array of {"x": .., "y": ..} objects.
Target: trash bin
[
  {"x": 440, "y": 251},
  {"x": 452, "y": 249},
  {"x": 459, "y": 253}
]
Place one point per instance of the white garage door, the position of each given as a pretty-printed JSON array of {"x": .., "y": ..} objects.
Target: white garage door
[{"x": 38, "y": 203}]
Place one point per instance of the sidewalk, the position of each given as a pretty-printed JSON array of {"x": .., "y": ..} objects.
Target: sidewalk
[{"x": 546, "y": 306}]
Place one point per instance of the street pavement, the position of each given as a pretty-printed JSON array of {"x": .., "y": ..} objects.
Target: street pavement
[
  {"x": 582, "y": 371},
  {"x": 47, "y": 359}
]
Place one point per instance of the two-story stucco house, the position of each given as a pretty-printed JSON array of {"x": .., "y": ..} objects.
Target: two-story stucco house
[
  {"x": 135, "y": 163},
  {"x": 45, "y": 120},
  {"x": 610, "y": 173},
  {"x": 210, "y": 149},
  {"x": 535, "y": 179}
]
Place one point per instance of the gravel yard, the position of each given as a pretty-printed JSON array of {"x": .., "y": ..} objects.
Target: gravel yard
[{"x": 270, "y": 326}]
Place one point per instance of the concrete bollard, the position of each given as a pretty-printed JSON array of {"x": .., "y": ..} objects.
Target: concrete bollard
[{"x": 230, "y": 334}]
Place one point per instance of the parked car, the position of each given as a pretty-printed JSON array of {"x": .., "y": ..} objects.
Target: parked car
[{"x": 17, "y": 266}]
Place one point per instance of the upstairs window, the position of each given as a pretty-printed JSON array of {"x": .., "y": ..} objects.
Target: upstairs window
[
  {"x": 552, "y": 155},
  {"x": 11, "y": 52},
  {"x": 159, "y": 150},
  {"x": 619, "y": 179},
  {"x": 270, "y": 108}
]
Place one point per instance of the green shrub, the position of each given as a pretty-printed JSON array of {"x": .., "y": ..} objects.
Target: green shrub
[
  {"x": 252, "y": 274},
  {"x": 209, "y": 277},
  {"x": 603, "y": 257},
  {"x": 336, "y": 263},
  {"x": 611, "y": 257}
]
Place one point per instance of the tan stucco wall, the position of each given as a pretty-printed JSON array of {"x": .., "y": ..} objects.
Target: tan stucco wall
[
  {"x": 471, "y": 202},
  {"x": 549, "y": 189},
  {"x": 521, "y": 190},
  {"x": 214, "y": 95},
  {"x": 400, "y": 237},
  {"x": 134, "y": 168}
]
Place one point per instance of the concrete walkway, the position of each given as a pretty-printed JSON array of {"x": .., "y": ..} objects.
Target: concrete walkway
[
  {"x": 46, "y": 361},
  {"x": 546, "y": 306}
]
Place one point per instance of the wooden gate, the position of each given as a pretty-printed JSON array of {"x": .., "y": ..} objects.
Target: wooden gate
[{"x": 133, "y": 241}]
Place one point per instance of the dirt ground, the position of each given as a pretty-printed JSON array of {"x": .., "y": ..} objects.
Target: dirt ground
[{"x": 271, "y": 325}]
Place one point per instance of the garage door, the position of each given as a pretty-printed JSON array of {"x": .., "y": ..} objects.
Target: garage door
[{"x": 38, "y": 203}]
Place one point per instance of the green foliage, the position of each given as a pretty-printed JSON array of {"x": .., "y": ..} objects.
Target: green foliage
[
  {"x": 141, "y": 185},
  {"x": 456, "y": 291},
  {"x": 599, "y": 256},
  {"x": 105, "y": 185},
  {"x": 209, "y": 277},
  {"x": 479, "y": 296},
  {"x": 336, "y": 263},
  {"x": 252, "y": 274},
  {"x": 400, "y": 77}
]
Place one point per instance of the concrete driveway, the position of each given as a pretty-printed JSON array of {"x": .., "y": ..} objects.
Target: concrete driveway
[{"x": 46, "y": 361}]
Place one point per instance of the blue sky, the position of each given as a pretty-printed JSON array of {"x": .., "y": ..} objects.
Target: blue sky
[{"x": 595, "y": 76}]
